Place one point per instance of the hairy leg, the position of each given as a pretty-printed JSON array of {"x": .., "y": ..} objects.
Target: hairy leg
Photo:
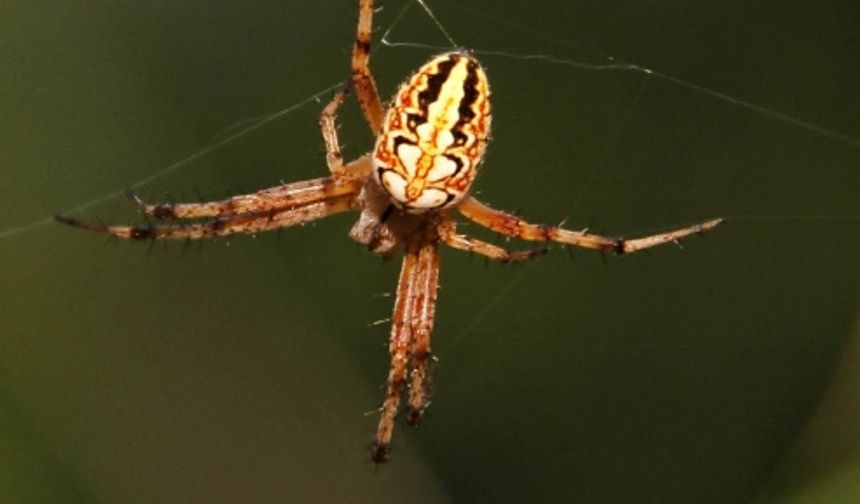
[
  {"x": 328, "y": 125},
  {"x": 250, "y": 223},
  {"x": 447, "y": 230},
  {"x": 399, "y": 347},
  {"x": 423, "y": 312},
  {"x": 362, "y": 79},
  {"x": 273, "y": 198},
  {"x": 512, "y": 225}
]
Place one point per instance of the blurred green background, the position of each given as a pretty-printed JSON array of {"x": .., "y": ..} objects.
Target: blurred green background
[{"x": 243, "y": 371}]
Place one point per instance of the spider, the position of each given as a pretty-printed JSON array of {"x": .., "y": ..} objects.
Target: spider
[{"x": 430, "y": 142}]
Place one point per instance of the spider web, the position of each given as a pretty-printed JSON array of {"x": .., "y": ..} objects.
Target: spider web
[
  {"x": 591, "y": 127},
  {"x": 595, "y": 62}
]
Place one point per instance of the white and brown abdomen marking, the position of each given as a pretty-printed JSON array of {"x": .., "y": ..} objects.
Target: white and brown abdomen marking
[{"x": 434, "y": 134}]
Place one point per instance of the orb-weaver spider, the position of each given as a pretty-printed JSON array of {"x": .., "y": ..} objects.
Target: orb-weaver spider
[{"x": 430, "y": 143}]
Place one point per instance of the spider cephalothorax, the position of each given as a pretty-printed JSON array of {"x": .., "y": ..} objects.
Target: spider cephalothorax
[{"x": 429, "y": 145}]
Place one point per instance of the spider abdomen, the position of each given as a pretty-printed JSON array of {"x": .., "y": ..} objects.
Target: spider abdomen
[{"x": 434, "y": 134}]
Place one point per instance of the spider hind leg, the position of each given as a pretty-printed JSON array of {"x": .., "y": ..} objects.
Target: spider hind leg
[
  {"x": 398, "y": 348},
  {"x": 423, "y": 316},
  {"x": 411, "y": 327}
]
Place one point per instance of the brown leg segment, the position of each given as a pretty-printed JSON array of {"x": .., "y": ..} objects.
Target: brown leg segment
[
  {"x": 283, "y": 196},
  {"x": 399, "y": 347},
  {"x": 512, "y": 225},
  {"x": 362, "y": 79},
  {"x": 423, "y": 312},
  {"x": 250, "y": 223},
  {"x": 328, "y": 125},
  {"x": 447, "y": 230}
]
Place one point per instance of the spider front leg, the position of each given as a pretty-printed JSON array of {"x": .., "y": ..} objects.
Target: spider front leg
[
  {"x": 512, "y": 225},
  {"x": 282, "y": 196},
  {"x": 249, "y": 223},
  {"x": 362, "y": 78}
]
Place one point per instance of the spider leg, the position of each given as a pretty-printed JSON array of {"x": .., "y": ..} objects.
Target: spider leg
[
  {"x": 398, "y": 347},
  {"x": 447, "y": 230},
  {"x": 362, "y": 79},
  {"x": 278, "y": 197},
  {"x": 512, "y": 225},
  {"x": 328, "y": 125},
  {"x": 423, "y": 312},
  {"x": 251, "y": 223}
]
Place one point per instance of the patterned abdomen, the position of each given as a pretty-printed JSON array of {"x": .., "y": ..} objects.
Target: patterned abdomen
[{"x": 434, "y": 134}]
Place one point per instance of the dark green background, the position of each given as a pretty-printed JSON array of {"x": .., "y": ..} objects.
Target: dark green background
[{"x": 242, "y": 373}]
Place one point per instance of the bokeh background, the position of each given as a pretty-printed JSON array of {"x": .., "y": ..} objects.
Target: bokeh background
[{"x": 244, "y": 371}]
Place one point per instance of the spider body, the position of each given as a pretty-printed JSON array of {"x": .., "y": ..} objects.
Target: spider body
[
  {"x": 429, "y": 145},
  {"x": 434, "y": 134}
]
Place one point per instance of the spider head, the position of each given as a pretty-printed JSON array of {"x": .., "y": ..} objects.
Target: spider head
[{"x": 434, "y": 134}]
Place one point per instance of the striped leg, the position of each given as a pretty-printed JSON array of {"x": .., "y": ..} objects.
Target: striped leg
[
  {"x": 512, "y": 225},
  {"x": 447, "y": 230},
  {"x": 250, "y": 223},
  {"x": 399, "y": 347},
  {"x": 328, "y": 125},
  {"x": 362, "y": 79},
  {"x": 274, "y": 198},
  {"x": 423, "y": 312}
]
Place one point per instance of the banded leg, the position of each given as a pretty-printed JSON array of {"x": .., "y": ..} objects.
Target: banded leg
[
  {"x": 362, "y": 79},
  {"x": 278, "y": 197},
  {"x": 250, "y": 223},
  {"x": 423, "y": 312},
  {"x": 328, "y": 125},
  {"x": 512, "y": 225},
  {"x": 447, "y": 230},
  {"x": 398, "y": 347}
]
